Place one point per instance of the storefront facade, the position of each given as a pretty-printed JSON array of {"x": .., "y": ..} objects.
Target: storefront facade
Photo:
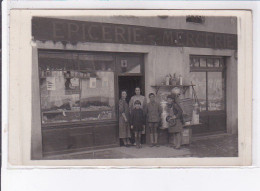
[{"x": 81, "y": 66}]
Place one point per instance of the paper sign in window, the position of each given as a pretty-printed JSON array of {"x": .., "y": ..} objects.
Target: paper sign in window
[
  {"x": 51, "y": 83},
  {"x": 74, "y": 82}
]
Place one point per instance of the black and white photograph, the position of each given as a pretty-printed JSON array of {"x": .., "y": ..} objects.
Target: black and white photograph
[
  {"x": 132, "y": 86},
  {"x": 144, "y": 95},
  {"x": 164, "y": 87}
]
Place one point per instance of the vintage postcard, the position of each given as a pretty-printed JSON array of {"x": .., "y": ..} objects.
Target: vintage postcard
[{"x": 130, "y": 88}]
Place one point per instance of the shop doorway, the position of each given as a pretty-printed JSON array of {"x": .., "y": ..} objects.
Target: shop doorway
[{"x": 129, "y": 83}]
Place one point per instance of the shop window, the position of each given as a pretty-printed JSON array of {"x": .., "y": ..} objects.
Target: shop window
[
  {"x": 209, "y": 79},
  {"x": 76, "y": 87}
]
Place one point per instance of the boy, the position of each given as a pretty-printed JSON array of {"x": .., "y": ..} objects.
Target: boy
[
  {"x": 137, "y": 122},
  {"x": 153, "y": 115}
]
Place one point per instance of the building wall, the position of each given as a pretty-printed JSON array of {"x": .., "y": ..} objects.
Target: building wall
[{"x": 211, "y": 24}]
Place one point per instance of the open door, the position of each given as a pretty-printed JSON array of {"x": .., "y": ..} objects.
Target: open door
[{"x": 129, "y": 83}]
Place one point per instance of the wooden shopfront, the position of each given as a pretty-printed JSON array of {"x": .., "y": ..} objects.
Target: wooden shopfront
[
  {"x": 83, "y": 66},
  {"x": 79, "y": 97}
]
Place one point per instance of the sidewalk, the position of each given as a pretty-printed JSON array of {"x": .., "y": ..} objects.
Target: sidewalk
[{"x": 217, "y": 146}]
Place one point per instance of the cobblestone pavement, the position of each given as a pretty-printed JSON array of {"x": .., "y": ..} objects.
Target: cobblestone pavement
[
  {"x": 219, "y": 146},
  {"x": 223, "y": 146}
]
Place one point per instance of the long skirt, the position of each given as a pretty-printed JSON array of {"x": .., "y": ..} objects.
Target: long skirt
[{"x": 124, "y": 129}]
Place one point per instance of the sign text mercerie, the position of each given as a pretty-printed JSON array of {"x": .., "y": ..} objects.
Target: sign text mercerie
[{"x": 70, "y": 31}]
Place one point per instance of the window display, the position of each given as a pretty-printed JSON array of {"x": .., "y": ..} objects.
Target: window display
[
  {"x": 209, "y": 79},
  {"x": 76, "y": 87},
  {"x": 199, "y": 79},
  {"x": 215, "y": 91}
]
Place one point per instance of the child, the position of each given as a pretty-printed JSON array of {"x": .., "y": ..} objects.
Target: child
[
  {"x": 137, "y": 122},
  {"x": 153, "y": 116}
]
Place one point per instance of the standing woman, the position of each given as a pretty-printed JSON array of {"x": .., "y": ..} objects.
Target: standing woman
[
  {"x": 139, "y": 97},
  {"x": 124, "y": 128},
  {"x": 175, "y": 120}
]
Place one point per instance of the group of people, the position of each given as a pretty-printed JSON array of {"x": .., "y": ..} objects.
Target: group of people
[{"x": 134, "y": 117}]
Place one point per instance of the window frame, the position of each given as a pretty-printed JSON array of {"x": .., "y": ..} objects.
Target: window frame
[
  {"x": 211, "y": 69},
  {"x": 207, "y": 69}
]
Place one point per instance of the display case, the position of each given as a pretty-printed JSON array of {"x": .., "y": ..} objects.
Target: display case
[{"x": 76, "y": 87}]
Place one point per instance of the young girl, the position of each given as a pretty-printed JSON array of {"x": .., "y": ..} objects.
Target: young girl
[{"x": 137, "y": 122}]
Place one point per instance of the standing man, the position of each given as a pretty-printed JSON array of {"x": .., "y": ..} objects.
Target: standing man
[
  {"x": 153, "y": 116},
  {"x": 143, "y": 102}
]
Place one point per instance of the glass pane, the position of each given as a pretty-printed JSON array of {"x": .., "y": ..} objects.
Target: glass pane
[
  {"x": 199, "y": 80},
  {"x": 59, "y": 98},
  {"x": 96, "y": 62},
  {"x": 57, "y": 61},
  {"x": 97, "y": 96},
  {"x": 203, "y": 62},
  {"x": 194, "y": 62},
  {"x": 129, "y": 64},
  {"x": 72, "y": 62},
  {"x": 221, "y": 62},
  {"x": 216, "y": 62},
  {"x": 210, "y": 62},
  {"x": 215, "y": 91}
]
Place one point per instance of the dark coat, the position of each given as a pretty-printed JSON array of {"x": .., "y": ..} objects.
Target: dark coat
[
  {"x": 137, "y": 119},
  {"x": 176, "y": 125}
]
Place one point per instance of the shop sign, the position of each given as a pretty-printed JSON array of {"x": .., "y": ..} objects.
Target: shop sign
[{"x": 70, "y": 31}]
